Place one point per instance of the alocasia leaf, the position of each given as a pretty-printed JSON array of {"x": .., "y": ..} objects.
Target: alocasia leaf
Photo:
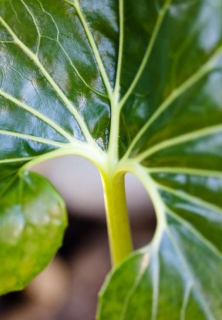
[
  {"x": 133, "y": 86},
  {"x": 172, "y": 129}
]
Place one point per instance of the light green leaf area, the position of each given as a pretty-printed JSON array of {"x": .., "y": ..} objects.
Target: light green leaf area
[
  {"x": 32, "y": 222},
  {"x": 132, "y": 86}
]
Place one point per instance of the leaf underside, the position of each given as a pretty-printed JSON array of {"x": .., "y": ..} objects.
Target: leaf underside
[{"x": 82, "y": 77}]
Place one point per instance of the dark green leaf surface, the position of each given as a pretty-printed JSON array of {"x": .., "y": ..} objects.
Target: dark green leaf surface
[
  {"x": 172, "y": 125},
  {"x": 135, "y": 85}
]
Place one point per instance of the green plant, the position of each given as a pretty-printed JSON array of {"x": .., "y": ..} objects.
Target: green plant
[{"x": 133, "y": 87}]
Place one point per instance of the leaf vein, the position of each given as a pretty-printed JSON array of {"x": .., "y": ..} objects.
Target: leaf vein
[
  {"x": 185, "y": 170},
  {"x": 156, "y": 279},
  {"x": 32, "y": 138},
  {"x": 147, "y": 53},
  {"x": 36, "y": 25},
  {"x": 186, "y": 298},
  {"x": 192, "y": 278},
  {"x": 53, "y": 84},
  {"x": 66, "y": 53},
  {"x": 2, "y": 191},
  {"x": 16, "y": 160},
  {"x": 190, "y": 198},
  {"x": 195, "y": 232},
  {"x": 121, "y": 44},
  {"x": 37, "y": 114},
  {"x": 78, "y": 74},
  {"x": 180, "y": 139},
  {"x": 144, "y": 265},
  {"x": 95, "y": 50},
  {"x": 176, "y": 93}
]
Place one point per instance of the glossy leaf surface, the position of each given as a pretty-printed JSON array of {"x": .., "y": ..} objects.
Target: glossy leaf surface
[
  {"x": 32, "y": 222},
  {"x": 173, "y": 125},
  {"x": 132, "y": 86}
]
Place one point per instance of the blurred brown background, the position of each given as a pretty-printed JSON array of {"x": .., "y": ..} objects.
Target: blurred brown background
[{"x": 68, "y": 288}]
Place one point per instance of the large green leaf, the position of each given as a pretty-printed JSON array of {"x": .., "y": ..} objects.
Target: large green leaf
[
  {"x": 173, "y": 121},
  {"x": 134, "y": 87}
]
